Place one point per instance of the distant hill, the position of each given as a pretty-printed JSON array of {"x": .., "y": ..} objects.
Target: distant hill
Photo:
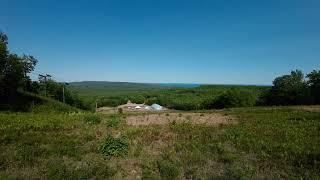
[
  {"x": 106, "y": 85},
  {"x": 130, "y": 85},
  {"x": 94, "y": 89}
]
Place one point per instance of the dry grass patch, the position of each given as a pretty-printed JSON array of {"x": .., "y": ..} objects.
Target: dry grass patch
[
  {"x": 166, "y": 118},
  {"x": 307, "y": 108}
]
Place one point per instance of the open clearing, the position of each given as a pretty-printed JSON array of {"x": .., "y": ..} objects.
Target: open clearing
[
  {"x": 194, "y": 118},
  {"x": 239, "y": 143}
]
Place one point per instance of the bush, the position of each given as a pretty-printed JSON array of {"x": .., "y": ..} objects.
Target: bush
[
  {"x": 113, "y": 121},
  {"x": 168, "y": 170},
  {"x": 93, "y": 119},
  {"x": 114, "y": 146}
]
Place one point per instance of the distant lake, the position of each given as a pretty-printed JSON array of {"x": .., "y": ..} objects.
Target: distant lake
[{"x": 182, "y": 85}]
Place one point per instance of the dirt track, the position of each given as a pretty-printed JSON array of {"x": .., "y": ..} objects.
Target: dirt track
[{"x": 165, "y": 118}]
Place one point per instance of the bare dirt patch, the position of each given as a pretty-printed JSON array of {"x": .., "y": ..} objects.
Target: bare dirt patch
[{"x": 165, "y": 118}]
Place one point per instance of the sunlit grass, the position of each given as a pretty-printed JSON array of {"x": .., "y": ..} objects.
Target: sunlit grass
[{"x": 266, "y": 142}]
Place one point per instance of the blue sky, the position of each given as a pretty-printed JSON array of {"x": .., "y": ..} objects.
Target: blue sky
[{"x": 189, "y": 41}]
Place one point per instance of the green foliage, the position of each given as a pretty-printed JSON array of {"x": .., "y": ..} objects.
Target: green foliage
[
  {"x": 54, "y": 90},
  {"x": 289, "y": 90},
  {"x": 202, "y": 97},
  {"x": 112, "y": 101},
  {"x": 14, "y": 80},
  {"x": 111, "y": 146},
  {"x": 286, "y": 90},
  {"x": 314, "y": 83},
  {"x": 93, "y": 118},
  {"x": 13, "y": 73},
  {"x": 168, "y": 170},
  {"x": 113, "y": 121},
  {"x": 235, "y": 98}
]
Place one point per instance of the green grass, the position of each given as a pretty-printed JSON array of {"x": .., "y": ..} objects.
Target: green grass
[
  {"x": 93, "y": 118},
  {"x": 275, "y": 143},
  {"x": 111, "y": 146},
  {"x": 113, "y": 121}
]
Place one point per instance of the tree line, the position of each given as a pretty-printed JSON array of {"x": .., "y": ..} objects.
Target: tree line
[
  {"x": 291, "y": 89},
  {"x": 294, "y": 89}
]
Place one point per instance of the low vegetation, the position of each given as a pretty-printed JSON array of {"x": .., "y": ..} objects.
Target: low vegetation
[
  {"x": 93, "y": 118},
  {"x": 266, "y": 142},
  {"x": 113, "y": 121},
  {"x": 111, "y": 146}
]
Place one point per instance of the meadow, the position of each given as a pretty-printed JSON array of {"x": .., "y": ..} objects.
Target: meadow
[{"x": 265, "y": 142}]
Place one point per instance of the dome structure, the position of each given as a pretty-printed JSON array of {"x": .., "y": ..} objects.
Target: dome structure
[{"x": 157, "y": 107}]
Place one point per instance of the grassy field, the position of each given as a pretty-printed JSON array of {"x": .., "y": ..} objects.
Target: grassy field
[{"x": 264, "y": 143}]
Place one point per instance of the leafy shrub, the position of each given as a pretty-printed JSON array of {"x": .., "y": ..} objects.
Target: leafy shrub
[
  {"x": 114, "y": 146},
  {"x": 113, "y": 121},
  {"x": 168, "y": 170},
  {"x": 93, "y": 119}
]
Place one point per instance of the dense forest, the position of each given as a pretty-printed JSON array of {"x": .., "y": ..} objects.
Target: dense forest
[
  {"x": 291, "y": 89},
  {"x": 17, "y": 90}
]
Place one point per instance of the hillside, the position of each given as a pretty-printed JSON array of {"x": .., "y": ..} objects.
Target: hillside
[
  {"x": 29, "y": 102},
  {"x": 113, "y": 85},
  {"x": 241, "y": 143}
]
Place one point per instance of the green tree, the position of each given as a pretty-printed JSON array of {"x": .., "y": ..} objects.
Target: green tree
[
  {"x": 235, "y": 98},
  {"x": 314, "y": 84},
  {"x": 289, "y": 89},
  {"x": 14, "y": 70}
]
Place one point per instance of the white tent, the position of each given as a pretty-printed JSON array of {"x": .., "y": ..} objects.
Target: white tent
[
  {"x": 157, "y": 107},
  {"x": 148, "y": 108}
]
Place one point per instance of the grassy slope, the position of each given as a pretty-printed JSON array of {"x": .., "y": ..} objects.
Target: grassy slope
[
  {"x": 51, "y": 105},
  {"x": 266, "y": 142},
  {"x": 26, "y": 102}
]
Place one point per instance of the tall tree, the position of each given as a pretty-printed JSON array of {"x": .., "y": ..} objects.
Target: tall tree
[
  {"x": 314, "y": 83},
  {"x": 289, "y": 89},
  {"x": 14, "y": 69}
]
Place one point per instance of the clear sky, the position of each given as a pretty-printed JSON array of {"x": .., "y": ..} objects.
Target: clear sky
[{"x": 190, "y": 41}]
